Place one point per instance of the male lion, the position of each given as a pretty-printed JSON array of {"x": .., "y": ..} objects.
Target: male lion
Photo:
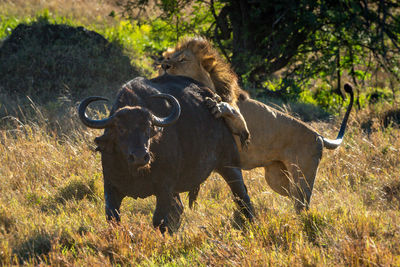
[
  {"x": 287, "y": 148},
  {"x": 197, "y": 59}
]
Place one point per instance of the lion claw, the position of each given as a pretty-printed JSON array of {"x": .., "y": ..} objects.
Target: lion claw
[
  {"x": 209, "y": 102},
  {"x": 215, "y": 109}
]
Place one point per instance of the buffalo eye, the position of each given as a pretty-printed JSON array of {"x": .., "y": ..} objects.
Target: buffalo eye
[{"x": 122, "y": 130}]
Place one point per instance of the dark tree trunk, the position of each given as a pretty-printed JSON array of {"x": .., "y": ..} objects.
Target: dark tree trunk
[{"x": 242, "y": 42}]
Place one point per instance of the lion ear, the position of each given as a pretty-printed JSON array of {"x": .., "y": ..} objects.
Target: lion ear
[
  {"x": 208, "y": 63},
  {"x": 167, "y": 53}
]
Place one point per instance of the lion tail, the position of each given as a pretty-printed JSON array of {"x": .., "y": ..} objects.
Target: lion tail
[{"x": 333, "y": 144}]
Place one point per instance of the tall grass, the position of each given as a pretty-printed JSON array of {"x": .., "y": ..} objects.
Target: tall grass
[{"x": 52, "y": 210}]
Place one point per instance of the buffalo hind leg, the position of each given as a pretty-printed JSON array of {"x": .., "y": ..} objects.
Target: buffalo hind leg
[
  {"x": 113, "y": 200},
  {"x": 193, "y": 196},
  {"x": 233, "y": 176}
]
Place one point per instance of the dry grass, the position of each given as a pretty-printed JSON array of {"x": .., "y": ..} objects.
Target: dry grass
[
  {"x": 85, "y": 11},
  {"x": 52, "y": 210}
]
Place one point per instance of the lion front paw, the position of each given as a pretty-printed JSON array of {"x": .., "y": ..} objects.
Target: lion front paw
[{"x": 214, "y": 107}]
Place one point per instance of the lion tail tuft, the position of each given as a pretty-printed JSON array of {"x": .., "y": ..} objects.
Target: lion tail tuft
[{"x": 333, "y": 144}]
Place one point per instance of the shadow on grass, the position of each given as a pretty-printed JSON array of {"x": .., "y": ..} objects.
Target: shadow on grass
[
  {"x": 36, "y": 247},
  {"x": 313, "y": 225},
  {"x": 76, "y": 190},
  {"x": 392, "y": 193}
]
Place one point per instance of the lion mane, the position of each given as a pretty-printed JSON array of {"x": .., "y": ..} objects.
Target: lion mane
[{"x": 224, "y": 78}]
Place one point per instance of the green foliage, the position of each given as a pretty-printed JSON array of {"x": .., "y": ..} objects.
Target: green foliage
[
  {"x": 144, "y": 39},
  {"x": 308, "y": 105},
  {"x": 326, "y": 99},
  {"x": 304, "y": 40},
  {"x": 7, "y": 25},
  {"x": 178, "y": 18}
]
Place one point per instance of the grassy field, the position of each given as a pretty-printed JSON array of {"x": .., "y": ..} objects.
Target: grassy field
[
  {"x": 52, "y": 205},
  {"x": 52, "y": 209}
]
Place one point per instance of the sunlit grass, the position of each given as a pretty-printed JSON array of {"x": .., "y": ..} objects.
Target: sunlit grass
[
  {"x": 86, "y": 11},
  {"x": 52, "y": 210}
]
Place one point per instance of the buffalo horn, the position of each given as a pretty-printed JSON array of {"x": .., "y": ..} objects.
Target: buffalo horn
[
  {"x": 97, "y": 124},
  {"x": 173, "y": 116}
]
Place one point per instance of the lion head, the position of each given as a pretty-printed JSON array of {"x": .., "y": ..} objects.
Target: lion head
[{"x": 195, "y": 57}]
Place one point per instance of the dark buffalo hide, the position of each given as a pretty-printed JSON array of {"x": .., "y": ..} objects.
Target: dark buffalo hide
[{"x": 147, "y": 152}]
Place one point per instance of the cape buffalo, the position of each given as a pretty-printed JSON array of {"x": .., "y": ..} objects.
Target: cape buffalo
[{"x": 142, "y": 157}]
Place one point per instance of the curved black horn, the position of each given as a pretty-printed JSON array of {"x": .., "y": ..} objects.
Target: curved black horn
[
  {"x": 173, "y": 116},
  {"x": 97, "y": 124}
]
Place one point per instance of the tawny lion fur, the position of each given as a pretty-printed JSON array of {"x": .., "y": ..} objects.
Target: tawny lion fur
[
  {"x": 287, "y": 148},
  {"x": 209, "y": 63},
  {"x": 196, "y": 58}
]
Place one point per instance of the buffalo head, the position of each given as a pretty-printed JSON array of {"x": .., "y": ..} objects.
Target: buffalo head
[{"x": 130, "y": 130}]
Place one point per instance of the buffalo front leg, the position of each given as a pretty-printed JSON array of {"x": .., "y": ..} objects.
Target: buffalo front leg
[
  {"x": 233, "y": 176},
  {"x": 174, "y": 216},
  {"x": 169, "y": 208},
  {"x": 113, "y": 199}
]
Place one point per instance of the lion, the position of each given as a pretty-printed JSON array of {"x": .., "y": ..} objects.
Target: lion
[
  {"x": 288, "y": 149},
  {"x": 212, "y": 72}
]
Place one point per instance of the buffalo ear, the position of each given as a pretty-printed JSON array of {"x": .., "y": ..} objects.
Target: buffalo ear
[
  {"x": 155, "y": 131},
  {"x": 104, "y": 143}
]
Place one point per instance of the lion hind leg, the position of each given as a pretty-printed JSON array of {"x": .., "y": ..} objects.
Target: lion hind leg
[
  {"x": 303, "y": 183},
  {"x": 233, "y": 118},
  {"x": 276, "y": 175},
  {"x": 288, "y": 181}
]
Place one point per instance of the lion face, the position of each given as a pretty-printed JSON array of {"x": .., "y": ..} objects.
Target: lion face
[
  {"x": 196, "y": 58},
  {"x": 185, "y": 63}
]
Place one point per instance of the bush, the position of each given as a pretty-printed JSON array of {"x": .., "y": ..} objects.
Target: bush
[{"x": 47, "y": 60}]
